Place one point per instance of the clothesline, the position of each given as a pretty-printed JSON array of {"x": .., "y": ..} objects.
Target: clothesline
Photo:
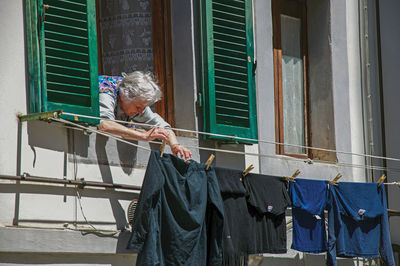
[
  {"x": 242, "y": 139},
  {"x": 371, "y": 167}
]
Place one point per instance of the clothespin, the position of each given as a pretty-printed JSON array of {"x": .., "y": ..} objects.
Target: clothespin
[
  {"x": 209, "y": 161},
  {"x": 335, "y": 180},
  {"x": 162, "y": 147},
  {"x": 380, "y": 181},
  {"x": 76, "y": 118},
  {"x": 293, "y": 177},
  {"x": 245, "y": 172},
  {"x": 248, "y": 169}
]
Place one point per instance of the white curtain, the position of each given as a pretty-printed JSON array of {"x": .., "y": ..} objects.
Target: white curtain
[
  {"x": 126, "y": 36},
  {"x": 292, "y": 84}
]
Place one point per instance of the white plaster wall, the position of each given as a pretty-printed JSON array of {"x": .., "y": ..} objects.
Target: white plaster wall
[{"x": 12, "y": 75}]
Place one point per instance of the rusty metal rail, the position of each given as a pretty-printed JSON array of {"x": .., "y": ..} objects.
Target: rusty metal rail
[{"x": 81, "y": 183}]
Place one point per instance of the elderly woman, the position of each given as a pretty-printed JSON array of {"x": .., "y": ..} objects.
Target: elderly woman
[{"x": 128, "y": 98}]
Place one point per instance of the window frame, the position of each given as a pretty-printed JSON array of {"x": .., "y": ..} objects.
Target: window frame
[
  {"x": 277, "y": 62},
  {"x": 162, "y": 56}
]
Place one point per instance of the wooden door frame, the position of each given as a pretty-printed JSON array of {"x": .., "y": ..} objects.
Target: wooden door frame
[
  {"x": 277, "y": 54},
  {"x": 162, "y": 56},
  {"x": 162, "y": 52}
]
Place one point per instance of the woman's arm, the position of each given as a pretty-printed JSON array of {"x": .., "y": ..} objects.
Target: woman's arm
[
  {"x": 176, "y": 148},
  {"x": 127, "y": 133}
]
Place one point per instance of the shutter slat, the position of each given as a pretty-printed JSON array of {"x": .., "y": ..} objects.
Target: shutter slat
[
  {"x": 66, "y": 62},
  {"x": 228, "y": 8},
  {"x": 67, "y": 46},
  {"x": 56, "y": 77},
  {"x": 242, "y": 106},
  {"x": 67, "y": 98},
  {"x": 77, "y": 22},
  {"x": 223, "y": 58},
  {"x": 69, "y": 5},
  {"x": 226, "y": 80},
  {"x": 224, "y": 110},
  {"x": 231, "y": 96},
  {"x": 225, "y": 22},
  {"x": 229, "y": 66},
  {"x": 75, "y": 31},
  {"x": 237, "y": 4},
  {"x": 231, "y": 75},
  {"x": 62, "y": 12},
  {"x": 235, "y": 18},
  {"x": 66, "y": 54},
  {"x": 230, "y": 37},
  {"x": 56, "y": 86},
  {"x": 66, "y": 37},
  {"x": 73, "y": 72}
]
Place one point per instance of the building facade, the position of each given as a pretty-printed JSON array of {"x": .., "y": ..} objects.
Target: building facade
[{"x": 317, "y": 74}]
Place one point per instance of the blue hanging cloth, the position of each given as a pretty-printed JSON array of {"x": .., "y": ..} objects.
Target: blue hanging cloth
[
  {"x": 309, "y": 200},
  {"x": 358, "y": 222}
]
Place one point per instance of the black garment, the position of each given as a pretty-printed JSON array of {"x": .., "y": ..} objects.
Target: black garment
[
  {"x": 179, "y": 218},
  {"x": 254, "y": 215}
]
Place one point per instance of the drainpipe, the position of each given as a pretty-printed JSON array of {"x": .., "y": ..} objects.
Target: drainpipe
[
  {"x": 356, "y": 102},
  {"x": 366, "y": 87}
]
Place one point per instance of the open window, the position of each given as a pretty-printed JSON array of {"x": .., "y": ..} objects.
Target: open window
[{"x": 70, "y": 42}]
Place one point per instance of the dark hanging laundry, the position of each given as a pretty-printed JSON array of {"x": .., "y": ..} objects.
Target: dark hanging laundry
[
  {"x": 254, "y": 215},
  {"x": 309, "y": 200},
  {"x": 358, "y": 223},
  {"x": 179, "y": 219}
]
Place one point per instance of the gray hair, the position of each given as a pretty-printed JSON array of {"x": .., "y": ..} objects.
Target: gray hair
[{"x": 140, "y": 86}]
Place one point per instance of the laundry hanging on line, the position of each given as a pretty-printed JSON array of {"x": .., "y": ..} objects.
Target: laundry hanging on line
[
  {"x": 179, "y": 217},
  {"x": 309, "y": 200},
  {"x": 254, "y": 221}
]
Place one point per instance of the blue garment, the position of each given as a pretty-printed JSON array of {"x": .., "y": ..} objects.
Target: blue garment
[
  {"x": 309, "y": 200},
  {"x": 179, "y": 219},
  {"x": 358, "y": 222}
]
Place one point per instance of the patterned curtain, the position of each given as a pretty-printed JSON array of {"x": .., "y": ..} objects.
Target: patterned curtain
[{"x": 126, "y": 36}]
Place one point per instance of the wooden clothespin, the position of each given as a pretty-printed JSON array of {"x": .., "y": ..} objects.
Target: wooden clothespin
[
  {"x": 209, "y": 161},
  {"x": 162, "y": 147},
  {"x": 248, "y": 169},
  {"x": 245, "y": 172},
  {"x": 293, "y": 177},
  {"x": 380, "y": 181},
  {"x": 335, "y": 180}
]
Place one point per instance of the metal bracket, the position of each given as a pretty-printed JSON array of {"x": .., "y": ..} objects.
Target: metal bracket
[{"x": 40, "y": 116}]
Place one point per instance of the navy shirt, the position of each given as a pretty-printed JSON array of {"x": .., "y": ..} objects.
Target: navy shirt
[{"x": 179, "y": 218}]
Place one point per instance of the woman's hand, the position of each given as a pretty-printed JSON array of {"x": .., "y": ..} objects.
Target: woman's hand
[
  {"x": 182, "y": 151},
  {"x": 156, "y": 133}
]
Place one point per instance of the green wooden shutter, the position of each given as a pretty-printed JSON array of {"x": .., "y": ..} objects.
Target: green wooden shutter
[
  {"x": 68, "y": 56},
  {"x": 228, "y": 74}
]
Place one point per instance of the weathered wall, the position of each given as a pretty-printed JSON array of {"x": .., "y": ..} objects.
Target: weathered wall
[{"x": 390, "y": 38}]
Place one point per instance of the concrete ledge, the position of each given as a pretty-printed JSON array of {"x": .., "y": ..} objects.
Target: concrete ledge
[{"x": 61, "y": 241}]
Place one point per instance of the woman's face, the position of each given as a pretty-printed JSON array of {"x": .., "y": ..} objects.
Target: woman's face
[{"x": 132, "y": 108}]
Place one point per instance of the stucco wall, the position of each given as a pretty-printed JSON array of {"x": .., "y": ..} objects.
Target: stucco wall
[{"x": 390, "y": 38}]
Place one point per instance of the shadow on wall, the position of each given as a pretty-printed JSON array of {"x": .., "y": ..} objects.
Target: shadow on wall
[
  {"x": 87, "y": 149},
  {"x": 70, "y": 259}
]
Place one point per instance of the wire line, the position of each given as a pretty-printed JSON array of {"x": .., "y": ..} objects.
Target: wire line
[
  {"x": 242, "y": 139},
  {"x": 279, "y": 157}
]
